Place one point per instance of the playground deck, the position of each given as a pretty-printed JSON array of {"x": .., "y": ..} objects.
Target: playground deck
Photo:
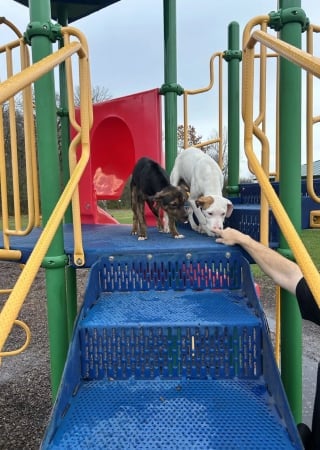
[{"x": 112, "y": 239}]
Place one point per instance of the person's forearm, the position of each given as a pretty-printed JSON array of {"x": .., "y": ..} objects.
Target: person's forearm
[
  {"x": 283, "y": 272},
  {"x": 272, "y": 263}
]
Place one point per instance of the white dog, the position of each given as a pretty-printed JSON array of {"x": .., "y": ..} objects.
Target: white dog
[{"x": 205, "y": 179}]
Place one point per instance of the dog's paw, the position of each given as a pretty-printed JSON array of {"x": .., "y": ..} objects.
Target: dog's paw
[
  {"x": 179, "y": 236},
  {"x": 142, "y": 238}
]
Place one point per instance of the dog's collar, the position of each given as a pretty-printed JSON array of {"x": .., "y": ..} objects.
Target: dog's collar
[
  {"x": 195, "y": 218},
  {"x": 197, "y": 212}
]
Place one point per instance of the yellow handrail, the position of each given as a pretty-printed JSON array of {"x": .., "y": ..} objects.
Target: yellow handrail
[
  {"x": 9, "y": 88},
  {"x": 312, "y": 64},
  {"x": 14, "y": 227},
  {"x": 187, "y": 92},
  {"x": 84, "y": 97},
  {"x": 259, "y": 123},
  {"x": 26, "y": 329},
  {"x": 310, "y": 119},
  {"x": 21, "y": 80}
]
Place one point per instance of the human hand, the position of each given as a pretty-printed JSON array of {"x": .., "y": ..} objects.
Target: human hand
[{"x": 228, "y": 236}]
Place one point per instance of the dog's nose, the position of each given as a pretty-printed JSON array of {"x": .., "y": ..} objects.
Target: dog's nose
[{"x": 216, "y": 227}]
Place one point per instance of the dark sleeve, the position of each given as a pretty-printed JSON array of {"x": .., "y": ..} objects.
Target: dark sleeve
[{"x": 307, "y": 304}]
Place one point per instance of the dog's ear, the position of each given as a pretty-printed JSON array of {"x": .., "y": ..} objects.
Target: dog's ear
[
  {"x": 158, "y": 196},
  {"x": 229, "y": 209},
  {"x": 204, "y": 202},
  {"x": 184, "y": 188},
  {"x": 185, "y": 193},
  {"x": 199, "y": 202}
]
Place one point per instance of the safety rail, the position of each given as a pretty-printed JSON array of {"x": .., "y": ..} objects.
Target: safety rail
[
  {"x": 311, "y": 64},
  {"x": 20, "y": 324},
  {"x": 81, "y": 139},
  {"x": 17, "y": 351},
  {"x": 311, "y": 119},
  {"x": 216, "y": 56},
  {"x": 260, "y": 120},
  {"x": 12, "y": 154},
  {"x": 262, "y": 56}
]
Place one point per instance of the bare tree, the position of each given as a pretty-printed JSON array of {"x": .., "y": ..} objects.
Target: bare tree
[
  {"x": 193, "y": 137},
  {"x": 17, "y": 127},
  {"x": 98, "y": 94},
  {"x": 213, "y": 150}
]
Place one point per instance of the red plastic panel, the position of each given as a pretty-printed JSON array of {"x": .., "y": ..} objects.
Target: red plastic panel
[{"x": 124, "y": 129}]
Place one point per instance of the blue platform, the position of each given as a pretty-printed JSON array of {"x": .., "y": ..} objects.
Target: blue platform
[{"x": 107, "y": 240}]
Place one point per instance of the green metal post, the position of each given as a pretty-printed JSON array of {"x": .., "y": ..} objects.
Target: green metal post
[
  {"x": 71, "y": 273},
  {"x": 170, "y": 79},
  {"x": 290, "y": 195},
  {"x": 50, "y": 185},
  {"x": 233, "y": 57}
]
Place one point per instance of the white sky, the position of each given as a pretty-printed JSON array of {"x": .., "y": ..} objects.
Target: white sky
[{"x": 126, "y": 43}]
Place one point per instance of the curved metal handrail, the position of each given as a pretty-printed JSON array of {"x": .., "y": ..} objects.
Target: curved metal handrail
[
  {"x": 312, "y": 65},
  {"x": 187, "y": 92},
  {"x": 10, "y": 87}
]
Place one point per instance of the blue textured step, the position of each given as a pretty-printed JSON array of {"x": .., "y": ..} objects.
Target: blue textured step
[
  {"x": 147, "y": 334},
  {"x": 172, "y": 414}
]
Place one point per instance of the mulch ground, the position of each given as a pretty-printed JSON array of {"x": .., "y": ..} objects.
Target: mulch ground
[{"x": 25, "y": 394}]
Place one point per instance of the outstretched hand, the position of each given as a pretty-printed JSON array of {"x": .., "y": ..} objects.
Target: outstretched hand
[{"x": 228, "y": 236}]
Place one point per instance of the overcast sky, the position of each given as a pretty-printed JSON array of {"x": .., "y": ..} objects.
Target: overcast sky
[{"x": 126, "y": 42}]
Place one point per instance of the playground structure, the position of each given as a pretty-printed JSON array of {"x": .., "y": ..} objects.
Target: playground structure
[{"x": 179, "y": 350}]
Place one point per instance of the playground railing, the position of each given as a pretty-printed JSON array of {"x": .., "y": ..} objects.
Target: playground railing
[
  {"x": 218, "y": 56},
  {"x": 262, "y": 56},
  {"x": 312, "y": 65},
  {"x": 23, "y": 162},
  {"x": 11, "y": 87},
  {"x": 311, "y": 119},
  {"x": 216, "y": 80}
]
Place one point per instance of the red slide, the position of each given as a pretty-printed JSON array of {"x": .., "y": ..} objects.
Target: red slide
[{"x": 124, "y": 129}]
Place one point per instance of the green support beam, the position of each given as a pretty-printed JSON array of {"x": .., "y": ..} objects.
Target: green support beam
[
  {"x": 170, "y": 89},
  {"x": 290, "y": 27},
  {"x": 233, "y": 57},
  {"x": 40, "y": 34}
]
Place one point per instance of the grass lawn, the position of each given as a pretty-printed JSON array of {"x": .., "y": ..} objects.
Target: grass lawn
[
  {"x": 311, "y": 239},
  {"x": 122, "y": 215}
]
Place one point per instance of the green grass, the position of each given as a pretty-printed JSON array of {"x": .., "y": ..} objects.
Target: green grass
[
  {"x": 311, "y": 240},
  {"x": 122, "y": 215}
]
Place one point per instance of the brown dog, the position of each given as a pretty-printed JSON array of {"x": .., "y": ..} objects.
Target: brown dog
[{"x": 150, "y": 183}]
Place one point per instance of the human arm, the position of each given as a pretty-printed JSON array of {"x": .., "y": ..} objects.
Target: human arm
[{"x": 281, "y": 270}]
